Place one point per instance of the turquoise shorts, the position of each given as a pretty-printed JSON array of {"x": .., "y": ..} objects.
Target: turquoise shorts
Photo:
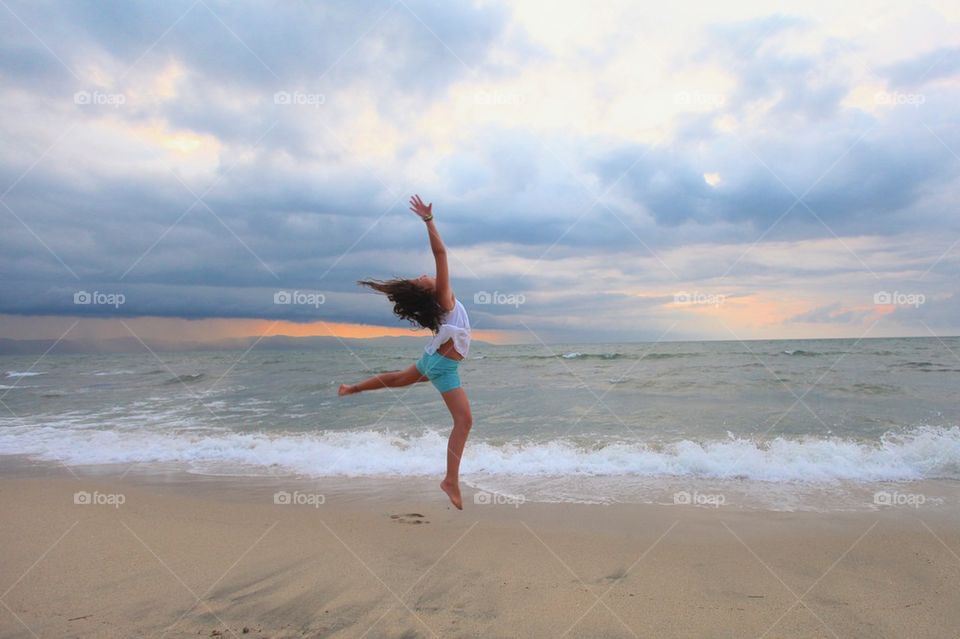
[{"x": 440, "y": 370}]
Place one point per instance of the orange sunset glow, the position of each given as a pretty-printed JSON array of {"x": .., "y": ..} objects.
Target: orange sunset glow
[{"x": 211, "y": 329}]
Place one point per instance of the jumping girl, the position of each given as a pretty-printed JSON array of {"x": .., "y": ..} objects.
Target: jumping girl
[{"x": 429, "y": 302}]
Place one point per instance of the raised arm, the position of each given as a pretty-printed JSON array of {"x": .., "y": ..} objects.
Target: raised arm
[{"x": 443, "y": 291}]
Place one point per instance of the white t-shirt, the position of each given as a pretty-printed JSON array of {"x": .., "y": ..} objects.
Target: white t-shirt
[{"x": 455, "y": 325}]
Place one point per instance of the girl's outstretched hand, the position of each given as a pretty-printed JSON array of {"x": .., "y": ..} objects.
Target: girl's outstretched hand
[{"x": 421, "y": 209}]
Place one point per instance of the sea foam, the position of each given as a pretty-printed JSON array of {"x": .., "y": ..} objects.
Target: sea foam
[{"x": 919, "y": 453}]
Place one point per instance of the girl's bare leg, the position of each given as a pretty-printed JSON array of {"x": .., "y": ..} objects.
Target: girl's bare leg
[
  {"x": 393, "y": 379},
  {"x": 459, "y": 407}
]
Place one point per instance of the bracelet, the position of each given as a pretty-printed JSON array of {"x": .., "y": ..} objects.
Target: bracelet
[{"x": 427, "y": 219}]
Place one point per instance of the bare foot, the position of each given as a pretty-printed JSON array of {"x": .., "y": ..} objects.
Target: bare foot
[
  {"x": 345, "y": 389},
  {"x": 453, "y": 492}
]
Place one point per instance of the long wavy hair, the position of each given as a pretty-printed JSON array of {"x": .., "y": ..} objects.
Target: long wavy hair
[{"x": 411, "y": 301}]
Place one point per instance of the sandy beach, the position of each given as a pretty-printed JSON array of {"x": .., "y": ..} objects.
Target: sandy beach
[
  {"x": 666, "y": 295},
  {"x": 171, "y": 554}
]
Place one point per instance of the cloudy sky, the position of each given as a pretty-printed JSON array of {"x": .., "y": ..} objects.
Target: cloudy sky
[{"x": 600, "y": 172}]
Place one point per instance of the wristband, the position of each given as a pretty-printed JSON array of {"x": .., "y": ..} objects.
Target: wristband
[{"x": 427, "y": 219}]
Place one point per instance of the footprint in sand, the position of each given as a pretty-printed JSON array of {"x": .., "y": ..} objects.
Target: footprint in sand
[{"x": 409, "y": 518}]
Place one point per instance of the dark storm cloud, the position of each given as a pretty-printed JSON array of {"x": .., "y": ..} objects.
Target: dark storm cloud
[
  {"x": 243, "y": 49},
  {"x": 256, "y": 45},
  {"x": 110, "y": 298},
  {"x": 294, "y": 209},
  {"x": 268, "y": 225},
  {"x": 861, "y": 175},
  {"x": 863, "y": 171}
]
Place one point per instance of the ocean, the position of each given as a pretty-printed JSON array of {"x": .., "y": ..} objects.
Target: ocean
[{"x": 770, "y": 424}]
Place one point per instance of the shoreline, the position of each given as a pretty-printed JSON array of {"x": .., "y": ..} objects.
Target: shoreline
[
  {"x": 193, "y": 554},
  {"x": 743, "y": 494}
]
